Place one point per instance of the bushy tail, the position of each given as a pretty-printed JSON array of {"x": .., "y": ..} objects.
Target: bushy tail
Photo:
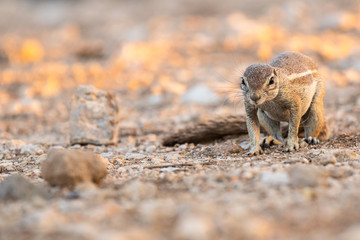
[
  {"x": 221, "y": 126},
  {"x": 208, "y": 130}
]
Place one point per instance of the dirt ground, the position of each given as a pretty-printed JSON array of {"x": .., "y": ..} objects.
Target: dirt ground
[{"x": 170, "y": 63}]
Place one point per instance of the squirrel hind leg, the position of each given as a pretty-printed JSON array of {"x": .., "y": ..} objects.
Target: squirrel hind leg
[{"x": 314, "y": 124}]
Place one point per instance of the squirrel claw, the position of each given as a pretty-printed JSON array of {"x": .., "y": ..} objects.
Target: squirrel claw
[
  {"x": 254, "y": 152},
  {"x": 311, "y": 140},
  {"x": 291, "y": 147}
]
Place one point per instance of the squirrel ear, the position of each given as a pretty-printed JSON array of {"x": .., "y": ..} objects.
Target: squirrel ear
[{"x": 275, "y": 71}]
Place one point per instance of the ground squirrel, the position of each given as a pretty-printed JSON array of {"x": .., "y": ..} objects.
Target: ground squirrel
[{"x": 288, "y": 89}]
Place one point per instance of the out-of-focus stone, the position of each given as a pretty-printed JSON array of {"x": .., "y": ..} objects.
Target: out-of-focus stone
[
  {"x": 135, "y": 156},
  {"x": 7, "y": 166},
  {"x": 94, "y": 117},
  {"x": 194, "y": 226},
  {"x": 343, "y": 172},
  {"x": 245, "y": 145},
  {"x": 327, "y": 159},
  {"x": 17, "y": 187},
  {"x": 294, "y": 160},
  {"x": 44, "y": 220},
  {"x": 344, "y": 155},
  {"x": 130, "y": 234},
  {"x": 200, "y": 94},
  {"x": 28, "y": 106},
  {"x": 155, "y": 100},
  {"x": 338, "y": 20},
  {"x": 253, "y": 227},
  {"x": 155, "y": 212},
  {"x": 150, "y": 149},
  {"x": 66, "y": 168},
  {"x": 11, "y": 145},
  {"x": 356, "y": 64},
  {"x": 351, "y": 233},
  {"x": 31, "y": 149},
  {"x": 275, "y": 178},
  {"x": 138, "y": 190},
  {"x": 306, "y": 176}
]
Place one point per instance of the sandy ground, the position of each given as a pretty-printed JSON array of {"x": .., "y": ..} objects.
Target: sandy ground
[{"x": 168, "y": 64}]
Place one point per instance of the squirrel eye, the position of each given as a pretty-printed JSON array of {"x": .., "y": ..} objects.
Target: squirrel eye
[
  {"x": 271, "y": 81},
  {"x": 243, "y": 83}
]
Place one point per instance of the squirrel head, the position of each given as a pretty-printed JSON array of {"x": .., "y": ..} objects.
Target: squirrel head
[{"x": 260, "y": 83}]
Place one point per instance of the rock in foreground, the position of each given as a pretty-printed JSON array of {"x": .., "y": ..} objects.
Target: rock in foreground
[
  {"x": 94, "y": 117},
  {"x": 67, "y": 168},
  {"x": 17, "y": 187},
  {"x": 306, "y": 176}
]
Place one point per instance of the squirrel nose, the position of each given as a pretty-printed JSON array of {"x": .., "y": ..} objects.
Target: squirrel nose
[{"x": 255, "y": 97}]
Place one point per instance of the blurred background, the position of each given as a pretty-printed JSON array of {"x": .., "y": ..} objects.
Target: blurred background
[
  {"x": 160, "y": 57},
  {"x": 170, "y": 63}
]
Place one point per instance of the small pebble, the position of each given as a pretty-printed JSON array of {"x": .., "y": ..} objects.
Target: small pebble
[
  {"x": 150, "y": 149},
  {"x": 306, "y": 176}
]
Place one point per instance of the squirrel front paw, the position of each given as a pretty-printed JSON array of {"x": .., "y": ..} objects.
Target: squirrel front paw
[
  {"x": 291, "y": 147},
  {"x": 311, "y": 140},
  {"x": 254, "y": 151},
  {"x": 269, "y": 141}
]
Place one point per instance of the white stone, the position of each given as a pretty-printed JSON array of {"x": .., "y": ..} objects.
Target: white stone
[
  {"x": 150, "y": 149},
  {"x": 135, "y": 156},
  {"x": 193, "y": 226},
  {"x": 94, "y": 117},
  {"x": 31, "y": 149},
  {"x": 169, "y": 169},
  {"x": 183, "y": 146},
  {"x": 247, "y": 164},
  {"x": 107, "y": 154},
  {"x": 275, "y": 178},
  {"x": 200, "y": 94},
  {"x": 155, "y": 100},
  {"x": 245, "y": 145}
]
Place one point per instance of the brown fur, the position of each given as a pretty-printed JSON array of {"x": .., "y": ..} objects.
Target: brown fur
[
  {"x": 296, "y": 96},
  {"x": 293, "y": 62},
  {"x": 257, "y": 75},
  {"x": 301, "y": 81}
]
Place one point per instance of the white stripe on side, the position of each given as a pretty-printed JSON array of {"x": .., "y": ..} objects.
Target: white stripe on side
[{"x": 298, "y": 75}]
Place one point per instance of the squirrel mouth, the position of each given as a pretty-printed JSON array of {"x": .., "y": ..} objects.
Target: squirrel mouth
[{"x": 256, "y": 103}]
